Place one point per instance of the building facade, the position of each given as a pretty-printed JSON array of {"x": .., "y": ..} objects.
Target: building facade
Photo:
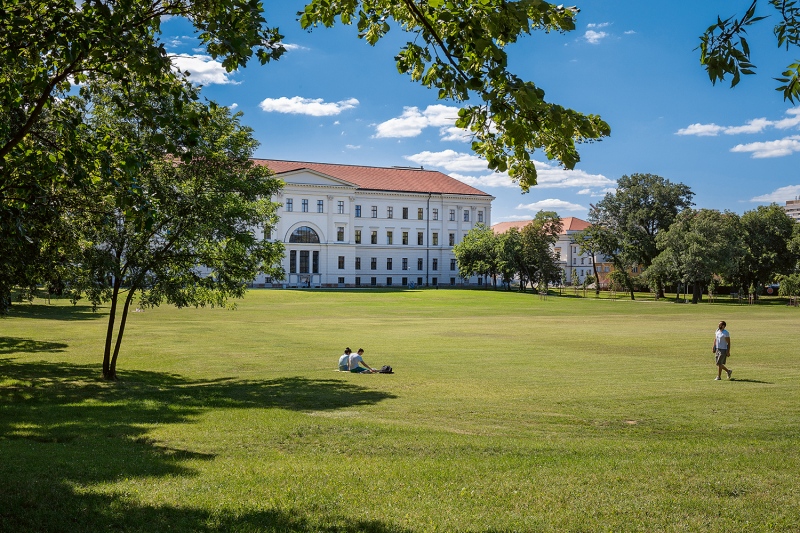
[
  {"x": 792, "y": 209},
  {"x": 357, "y": 226}
]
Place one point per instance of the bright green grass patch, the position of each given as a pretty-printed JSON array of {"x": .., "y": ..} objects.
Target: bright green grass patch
[{"x": 507, "y": 412}]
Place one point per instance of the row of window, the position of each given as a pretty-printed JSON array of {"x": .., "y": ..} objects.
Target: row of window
[
  {"x": 306, "y": 235},
  {"x": 373, "y": 263},
  {"x": 304, "y": 206},
  {"x": 373, "y": 237},
  {"x": 289, "y": 205},
  {"x": 307, "y": 262}
]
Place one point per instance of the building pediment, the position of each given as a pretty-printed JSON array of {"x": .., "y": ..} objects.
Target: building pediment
[{"x": 305, "y": 176}]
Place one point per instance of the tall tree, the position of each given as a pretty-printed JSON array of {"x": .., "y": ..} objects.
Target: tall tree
[
  {"x": 699, "y": 245},
  {"x": 724, "y": 50},
  {"x": 539, "y": 262},
  {"x": 588, "y": 244},
  {"x": 178, "y": 227},
  {"x": 477, "y": 253},
  {"x": 641, "y": 206},
  {"x": 767, "y": 233},
  {"x": 509, "y": 251},
  {"x": 608, "y": 239}
]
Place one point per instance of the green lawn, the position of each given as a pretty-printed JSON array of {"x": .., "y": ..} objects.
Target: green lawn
[{"x": 507, "y": 412}]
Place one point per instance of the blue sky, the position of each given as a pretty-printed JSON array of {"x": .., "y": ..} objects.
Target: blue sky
[{"x": 333, "y": 98}]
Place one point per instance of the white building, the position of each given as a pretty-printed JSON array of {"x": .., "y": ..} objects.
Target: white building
[
  {"x": 792, "y": 209},
  {"x": 570, "y": 256},
  {"x": 356, "y": 226}
]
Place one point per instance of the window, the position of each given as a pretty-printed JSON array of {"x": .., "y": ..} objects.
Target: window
[
  {"x": 405, "y": 264},
  {"x": 435, "y": 265},
  {"x": 420, "y": 214},
  {"x": 289, "y": 204},
  {"x": 374, "y": 211},
  {"x": 435, "y": 214},
  {"x": 340, "y": 207},
  {"x": 452, "y": 239},
  {"x": 420, "y": 238},
  {"x": 341, "y": 281},
  {"x": 419, "y": 282},
  {"x": 358, "y": 211},
  {"x": 480, "y": 216},
  {"x": 419, "y": 264},
  {"x": 389, "y": 237},
  {"x": 358, "y": 263},
  {"x": 358, "y": 281},
  {"x": 434, "y": 281},
  {"x": 557, "y": 251},
  {"x": 405, "y": 213},
  {"x": 452, "y": 214},
  {"x": 373, "y": 237},
  {"x": 304, "y": 235},
  {"x": 590, "y": 260},
  {"x": 390, "y": 212},
  {"x": 340, "y": 233},
  {"x": 373, "y": 263},
  {"x": 388, "y": 263},
  {"x": 304, "y": 261},
  {"x": 583, "y": 259},
  {"x": 405, "y": 237},
  {"x": 320, "y": 206},
  {"x": 373, "y": 281},
  {"x": 452, "y": 281},
  {"x": 358, "y": 236},
  {"x": 466, "y": 215},
  {"x": 341, "y": 262},
  {"x": 388, "y": 282},
  {"x": 452, "y": 264},
  {"x": 574, "y": 260},
  {"x": 405, "y": 281},
  {"x": 435, "y": 239},
  {"x": 293, "y": 262},
  {"x": 305, "y": 205},
  {"x": 315, "y": 263}
]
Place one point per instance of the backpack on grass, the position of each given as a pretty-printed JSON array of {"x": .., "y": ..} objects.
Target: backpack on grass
[{"x": 386, "y": 369}]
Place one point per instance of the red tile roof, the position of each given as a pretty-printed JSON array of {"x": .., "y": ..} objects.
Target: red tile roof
[
  {"x": 401, "y": 179},
  {"x": 569, "y": 224}
]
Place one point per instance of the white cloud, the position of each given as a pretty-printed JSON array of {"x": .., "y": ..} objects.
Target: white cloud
[
  {"x": 498, "y": 179},
  {"x": 790, "y": 192},
  {"x": 779, "y": 148},
  {"x": 315, "y": 107},
  {"x": 551, "y": 204},
  {"x": 594, "y": 37},
  {"x": 701, "y": 130},
  {"x": 450, "y": 160},
  {"x": 413, "y": 121},
  {"x": 757, "y": 125},
  {"x": 584, "y": 191},
  {"x": 202, "y": 69},
  {"x": 791, "y": 122},
  {"x": 549, "y": 177},
  {"x": 293, "y": 47},
  {"x": 353, "y": 146},
  {"x": 598, "y": 25},
  {"x": 233, "y": 106},
  {"x": 630, "y": 32}
]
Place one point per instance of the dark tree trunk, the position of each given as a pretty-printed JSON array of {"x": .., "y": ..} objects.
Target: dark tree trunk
[{"x": 108, "y": 373}]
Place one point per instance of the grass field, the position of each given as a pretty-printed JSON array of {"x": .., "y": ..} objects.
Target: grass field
[{"x": 507, "y": 412}]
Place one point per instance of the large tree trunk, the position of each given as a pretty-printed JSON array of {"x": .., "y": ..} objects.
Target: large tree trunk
[
  {"x": 596, "y": 278},
  {"x": 697, "y": 293},
  {"x": 112, "y": 314},
  {"x": 121, "y": 331}
]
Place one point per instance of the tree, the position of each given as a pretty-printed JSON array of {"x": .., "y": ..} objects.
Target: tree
[
  {"x": 641, "y": 206},
  {"x": 477, "y": 253},
  {"x": 724, "y": 49},
  {"x": 509, "y": 247},
  {"x": 172, "y": 227},
  {"x": 767, "y": 232},
  {"x": 539, "y": 264},
  {"x": 610, "y": 242},
  {"x": 698, "y": 245},
  {"x": 585, "y": 239}
]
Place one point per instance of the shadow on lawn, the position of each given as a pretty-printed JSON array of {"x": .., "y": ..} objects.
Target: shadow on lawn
[
  {"x": 55, "y": 312},
  {"x": 62, "y": 429},
  {"x": 11, "y": 345}
]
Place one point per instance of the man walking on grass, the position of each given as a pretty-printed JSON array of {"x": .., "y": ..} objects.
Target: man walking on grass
[{"x": 722, "y": 349}]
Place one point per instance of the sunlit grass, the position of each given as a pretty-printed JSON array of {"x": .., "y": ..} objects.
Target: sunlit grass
[{"x": 507, "y": 412}]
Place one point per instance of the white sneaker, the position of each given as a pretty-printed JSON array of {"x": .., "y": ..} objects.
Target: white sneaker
[{"x": 717, "y": 378}]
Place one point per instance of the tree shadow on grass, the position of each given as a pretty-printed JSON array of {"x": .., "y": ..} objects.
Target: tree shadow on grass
[
  {"x": 62, "y": 429},
  {"x": 54, "y": 312},
  {"x": 12, "y": 345}
]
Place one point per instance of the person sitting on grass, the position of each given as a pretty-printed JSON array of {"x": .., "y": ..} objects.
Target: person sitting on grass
[
  {"x": 344, "y": 361},
  {"x": 356, "y": 362}
]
